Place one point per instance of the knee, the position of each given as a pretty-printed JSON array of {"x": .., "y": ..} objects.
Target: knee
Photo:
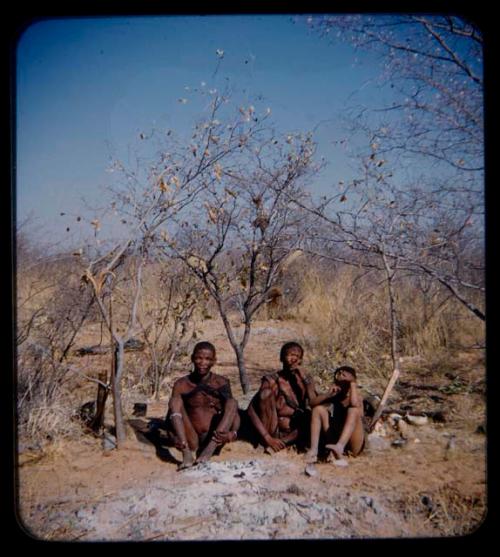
[
  {"x": 265, "y": 394},
  {"x": 355, "y": 411},
  {"x": 231, "y": 405},
  {"x": 319, "y": 411}
]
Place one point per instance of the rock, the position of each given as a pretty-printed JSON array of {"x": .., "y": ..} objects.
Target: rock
[
  {"x": 416, "y": 420},
  {"x": 375, "y": 442},
  {"x": 398, "y": 443},
  {"x": 311, "y": 470},
  {"x": 395, "y": 417},
  {"x": 108, "y": 441}
]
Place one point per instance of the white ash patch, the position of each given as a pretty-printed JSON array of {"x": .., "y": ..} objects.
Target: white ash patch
[{"x": 228, "y": 472}]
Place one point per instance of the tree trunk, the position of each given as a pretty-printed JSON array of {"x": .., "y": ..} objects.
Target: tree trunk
[
  {"x": 238, "y": 348},
  {"x": 102, "y": 394},
  {"x": 118, "y": 353},
  {"x": 245, "y": 385},
  {"x": 394, "y": 345}
]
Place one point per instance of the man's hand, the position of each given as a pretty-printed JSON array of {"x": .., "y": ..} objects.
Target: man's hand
[
  {"x": 275, "y": 444},
  {"x": 180, "y": 445},
  {"x": 221, "y": 437}
]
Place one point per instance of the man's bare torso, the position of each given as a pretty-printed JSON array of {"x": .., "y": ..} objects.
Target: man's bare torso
[{"x": 204, "y": 400}]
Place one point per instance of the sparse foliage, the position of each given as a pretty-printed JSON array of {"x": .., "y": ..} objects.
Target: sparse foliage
[{"x": 243, "y": 227}]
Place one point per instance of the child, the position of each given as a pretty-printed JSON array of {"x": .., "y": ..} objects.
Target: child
[{"x": 339, "y": 413}]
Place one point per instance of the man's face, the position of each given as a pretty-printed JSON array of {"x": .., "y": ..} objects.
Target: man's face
[
  {"x": 203, "y": 360},
  {"x": 292, "y": 358}
]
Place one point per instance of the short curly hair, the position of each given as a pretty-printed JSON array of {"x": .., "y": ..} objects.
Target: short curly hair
[
  {"x": 204, "y": 345},
  {"x": 349, "y": 369},
  {"x": 286, "y": 347}
]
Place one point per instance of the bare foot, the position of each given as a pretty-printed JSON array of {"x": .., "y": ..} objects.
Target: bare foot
[
  {"x": 187, "y": 460},
  {"x": 207, "y": 452},
  {"x": 311, "y": 457},
  {"x": 337, "y": 450}
]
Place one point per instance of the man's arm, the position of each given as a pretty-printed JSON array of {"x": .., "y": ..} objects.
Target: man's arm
[
  {"x": 314, "y": 398},
  {"x": 178, "y": 389},
  {"x": 225, "y": 390},
  {"x": 175, "y": 410}
]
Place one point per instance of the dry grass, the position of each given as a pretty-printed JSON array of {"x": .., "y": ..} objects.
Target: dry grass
[
  {"x": 50, "y": 422},
  {"x": 447, "y": 510},
  {"x": 344, "y": 308},
  {"x": 347, "y": 314}
]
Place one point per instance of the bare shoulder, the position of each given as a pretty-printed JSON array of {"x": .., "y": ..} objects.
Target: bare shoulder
[
  {"x": 219, "y": 380},
  {"x": 182, "y": 383}
]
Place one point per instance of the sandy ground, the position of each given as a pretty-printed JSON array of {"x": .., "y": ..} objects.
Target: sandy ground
[{"x": 433, "y": 485}]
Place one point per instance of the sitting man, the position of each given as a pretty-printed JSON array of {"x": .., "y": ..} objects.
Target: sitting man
[
  {"x": 202, "y": 413},
  {"x": 277, "y": 413},
  {"x": 339, "y": 413}
]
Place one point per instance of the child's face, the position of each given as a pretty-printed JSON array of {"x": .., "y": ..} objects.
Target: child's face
[
  {"x": 292, "y": 358},
  {"x": 203, "y": 360}
]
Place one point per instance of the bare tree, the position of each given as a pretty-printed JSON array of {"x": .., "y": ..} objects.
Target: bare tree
[
  {"x": 243, "y": 228},
  {"x": 149, "y": 197},
  {"x": 423, "y": 141},
  {"x": 375, "y": 224},
  {"x": 432, "y": 66},
  {"x": 166, "y": 318}
]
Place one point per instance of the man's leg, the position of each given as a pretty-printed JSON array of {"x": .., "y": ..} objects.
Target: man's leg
[
  {"x": 319, "y": 420},
  {"x": 266, "y": 409},
  {"x": 184, "y": 431},
  {"x": 352, "y": 434},
  {"x": 229, "y": 419}
]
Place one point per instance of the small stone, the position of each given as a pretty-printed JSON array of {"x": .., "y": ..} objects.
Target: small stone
[
  {"x": 395, "y": 417},
  {"x": 416, "y": 420},
  {"x": 108, "y": 442},
  {"x": 311, "y": 470},
  {"x": 398, "y": 443}
]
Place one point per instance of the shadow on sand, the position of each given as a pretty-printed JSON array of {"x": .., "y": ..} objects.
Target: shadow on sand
[{"x": 153, "y": 432}]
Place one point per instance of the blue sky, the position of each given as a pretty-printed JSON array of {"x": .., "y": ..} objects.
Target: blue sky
[{"x": 86, "y": 88}]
